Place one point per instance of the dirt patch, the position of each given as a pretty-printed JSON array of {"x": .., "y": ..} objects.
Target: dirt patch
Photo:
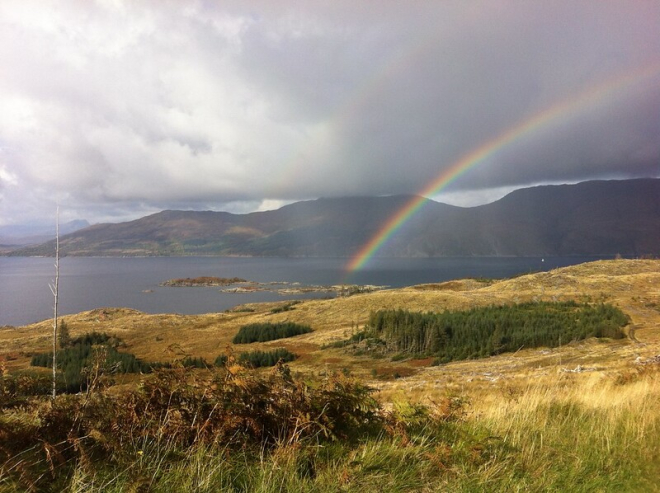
[{"x": 394, "y": 372}]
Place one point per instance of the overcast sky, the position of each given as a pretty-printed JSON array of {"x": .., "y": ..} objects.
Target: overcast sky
[{"x": 117, "y": 109}]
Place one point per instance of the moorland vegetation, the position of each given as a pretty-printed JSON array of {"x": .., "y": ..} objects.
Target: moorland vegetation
[
  {"x": 577, "y": 416},
  {"x": 235, "y": 429}
]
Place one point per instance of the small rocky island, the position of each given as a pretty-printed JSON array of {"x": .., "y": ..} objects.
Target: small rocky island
[
  {"x": 238, "y": 285},
  {"x": 204, "y": 281}
]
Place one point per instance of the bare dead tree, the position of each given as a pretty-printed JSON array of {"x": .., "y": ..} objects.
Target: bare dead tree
[{"x": 54, "y": 288}]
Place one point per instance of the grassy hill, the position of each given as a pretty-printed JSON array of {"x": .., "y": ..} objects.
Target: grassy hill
[{"x": 582, "y": 417}]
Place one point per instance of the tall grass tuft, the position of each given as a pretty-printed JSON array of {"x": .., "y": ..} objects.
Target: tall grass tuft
[
  {"x": 234, "y": 429},
  {"x": 595, "y": 435}
]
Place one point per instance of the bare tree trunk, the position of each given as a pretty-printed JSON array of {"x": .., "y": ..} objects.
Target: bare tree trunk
[{"x": 54, "y": 288}]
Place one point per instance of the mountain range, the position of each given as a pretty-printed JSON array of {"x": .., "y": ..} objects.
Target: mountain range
[
  {"x": 32, "y": 234},
  {"x": 589, "y": 218}
]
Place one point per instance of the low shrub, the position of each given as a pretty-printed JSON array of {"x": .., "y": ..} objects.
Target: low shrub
[
  {"x": 285, "y": 308},
  {"x": 174, "y": 411}
]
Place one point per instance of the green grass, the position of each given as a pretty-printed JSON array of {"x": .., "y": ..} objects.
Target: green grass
[{"x": 598, "y": 435}]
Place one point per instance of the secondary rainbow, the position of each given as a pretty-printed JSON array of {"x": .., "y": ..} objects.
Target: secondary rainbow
[{"x": 552, "y": 114}]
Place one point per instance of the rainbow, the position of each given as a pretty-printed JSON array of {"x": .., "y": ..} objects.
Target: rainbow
[{"x": 552, "y": 114}]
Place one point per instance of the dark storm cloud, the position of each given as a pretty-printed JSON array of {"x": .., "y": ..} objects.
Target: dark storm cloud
[{"x": 117, "y": 109}]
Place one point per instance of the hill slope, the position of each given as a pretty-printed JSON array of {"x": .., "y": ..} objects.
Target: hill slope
[{"x": 631, "y": 285}]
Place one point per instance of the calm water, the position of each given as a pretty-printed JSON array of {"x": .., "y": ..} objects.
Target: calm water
[{"x": 87, "y": 283}]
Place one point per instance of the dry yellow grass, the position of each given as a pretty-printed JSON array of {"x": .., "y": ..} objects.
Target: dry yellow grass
[{"x": 632, "y": 285}]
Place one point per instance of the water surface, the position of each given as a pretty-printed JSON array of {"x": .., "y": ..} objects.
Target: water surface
[{"x": 91, "y": 282}]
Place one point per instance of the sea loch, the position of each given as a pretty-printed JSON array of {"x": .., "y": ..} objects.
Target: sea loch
[{"x": 92, "y": 282}]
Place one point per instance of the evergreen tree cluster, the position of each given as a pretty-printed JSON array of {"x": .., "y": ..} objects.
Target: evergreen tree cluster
[
  {"x": 262, "y": 332},
  {"x": 258, "y": 359},
  {"x": 487, "y": 331},
  {"x": 194, "y": 362},
  {"x": 80, "y": 354}
]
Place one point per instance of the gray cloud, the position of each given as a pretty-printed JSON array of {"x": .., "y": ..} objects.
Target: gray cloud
[{"x": 117, "y": 109}]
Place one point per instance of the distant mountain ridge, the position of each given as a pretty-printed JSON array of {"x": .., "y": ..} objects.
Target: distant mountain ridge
[{"x": 590, "y": 218}]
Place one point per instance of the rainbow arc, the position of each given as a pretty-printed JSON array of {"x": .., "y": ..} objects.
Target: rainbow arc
[{"x": 553, "y": 114}]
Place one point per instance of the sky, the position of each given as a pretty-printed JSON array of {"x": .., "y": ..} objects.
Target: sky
[{"x": 117, "y": 109}]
